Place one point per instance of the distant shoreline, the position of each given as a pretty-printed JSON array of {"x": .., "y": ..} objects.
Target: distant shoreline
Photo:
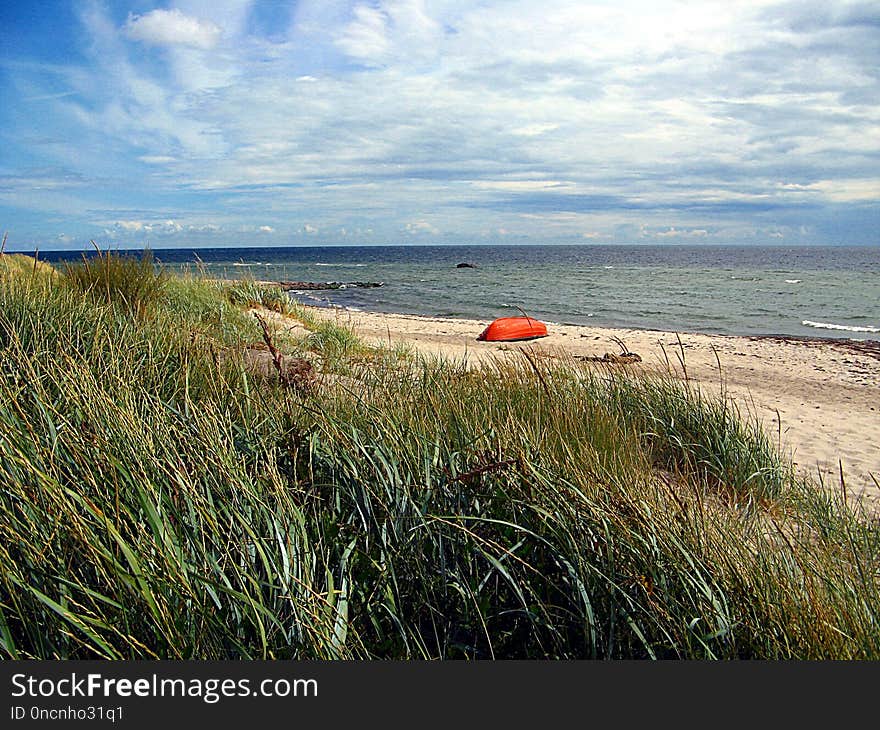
[
  {"x": 806, "y": 292},
  {"x": 155, "y": 249}
]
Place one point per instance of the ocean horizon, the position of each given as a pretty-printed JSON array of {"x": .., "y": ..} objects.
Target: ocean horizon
[{"x": 800, "y": 291}]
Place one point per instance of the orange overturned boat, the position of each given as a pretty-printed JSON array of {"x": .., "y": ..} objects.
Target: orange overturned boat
[{"x": 513, "y": 329}]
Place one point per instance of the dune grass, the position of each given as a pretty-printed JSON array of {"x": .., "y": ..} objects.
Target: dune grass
[
  {"x": 250, "y": 293},
  {"x": 132, "y": 281},
  {"x": 20, "y": 266},
  {"x": 161, "y": 500}
]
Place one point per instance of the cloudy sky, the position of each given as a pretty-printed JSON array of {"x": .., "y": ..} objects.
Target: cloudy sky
[{"x": 283, "y": 122}]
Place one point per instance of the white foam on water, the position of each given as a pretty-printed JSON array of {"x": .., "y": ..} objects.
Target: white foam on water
[
  {"x": 305, "y": 295},
  {"x": 832, "y": 326},
  {"x": 792, "y": 281}
]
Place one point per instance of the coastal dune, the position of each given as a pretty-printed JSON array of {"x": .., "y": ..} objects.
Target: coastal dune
[{"x": 819, "y": 398}]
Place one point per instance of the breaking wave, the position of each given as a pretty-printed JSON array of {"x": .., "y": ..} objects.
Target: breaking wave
[{"x": 832, "y": 326}]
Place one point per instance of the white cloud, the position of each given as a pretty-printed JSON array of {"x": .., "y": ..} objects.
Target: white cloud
[
  {"x": 390, "y": 116},
  {"x": 847, "y": 191},
  {"x": 676, "y": 233},
  {"x": 535, "y": 130},
  {"x": 139, "y": 226},
  {"x": 172, "y": 28},
  {"x": 157, "y": 159},
  {"x": 402, "y": 30},
  {"x": 522, "y": 185},
  {"x": 555, "y": 217},
  {"x": 366, "y": 36},
  {"x": 422, "y": 226}
]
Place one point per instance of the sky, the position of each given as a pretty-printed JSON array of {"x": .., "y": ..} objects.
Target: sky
[{"x": 317, "y": 122}]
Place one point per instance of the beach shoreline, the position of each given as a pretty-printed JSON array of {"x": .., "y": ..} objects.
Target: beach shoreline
[{"x": 818, "y": 397}]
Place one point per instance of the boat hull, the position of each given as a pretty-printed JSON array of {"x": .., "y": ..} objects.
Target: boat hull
[{"x": 513, "y": 329}]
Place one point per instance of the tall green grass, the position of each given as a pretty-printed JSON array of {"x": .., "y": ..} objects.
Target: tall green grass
[
  {"x": 134, "y": 281},
  {"x": 16, "y": 265},
  {"x": 161, "y": 501},
  {"x": 250, "y": 293}
]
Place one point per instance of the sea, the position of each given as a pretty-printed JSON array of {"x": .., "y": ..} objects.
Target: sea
[{"x": 815, "y": 291}]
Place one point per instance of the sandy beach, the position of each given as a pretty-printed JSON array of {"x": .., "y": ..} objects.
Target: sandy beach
[{"x": 819, "y": 397}]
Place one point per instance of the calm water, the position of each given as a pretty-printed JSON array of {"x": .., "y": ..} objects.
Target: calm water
[{"x": 806, "y": 291}]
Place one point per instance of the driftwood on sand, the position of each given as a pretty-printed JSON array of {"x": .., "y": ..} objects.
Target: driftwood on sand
[
  {"x": 610, "y": 358},
  {"x": 625, "y": 357}
]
